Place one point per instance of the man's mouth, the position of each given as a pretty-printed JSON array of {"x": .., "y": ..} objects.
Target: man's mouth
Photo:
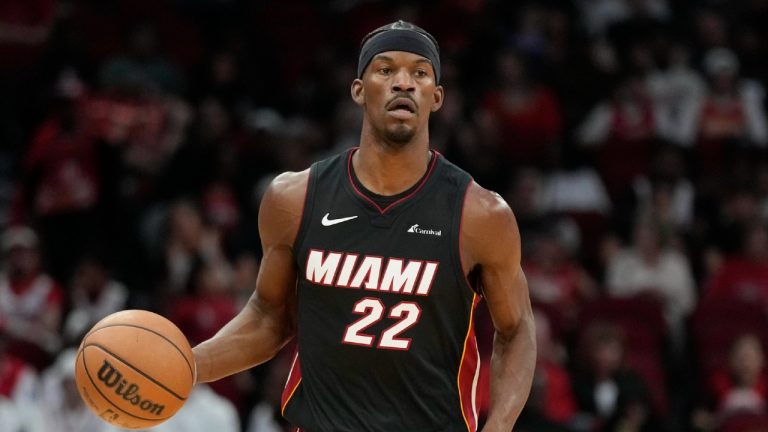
[{"x": 402, "y": 105}]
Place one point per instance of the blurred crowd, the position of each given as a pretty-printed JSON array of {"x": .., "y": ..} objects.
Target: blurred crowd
[{"x": 628, "y": 136}]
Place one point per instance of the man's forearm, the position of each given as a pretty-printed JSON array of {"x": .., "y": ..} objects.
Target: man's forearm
[
  {"x": 512, "y": 366},
  {"x": 251, "y": 338}
]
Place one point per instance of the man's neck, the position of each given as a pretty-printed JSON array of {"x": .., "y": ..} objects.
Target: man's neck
[{"x": 388, "y": 170}]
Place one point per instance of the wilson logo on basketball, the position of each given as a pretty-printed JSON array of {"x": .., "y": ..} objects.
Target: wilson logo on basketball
[{"x": 112, "y": 378}]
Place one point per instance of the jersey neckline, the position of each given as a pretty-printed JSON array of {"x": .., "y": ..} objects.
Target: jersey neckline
[{"x": 360, "y": 190}]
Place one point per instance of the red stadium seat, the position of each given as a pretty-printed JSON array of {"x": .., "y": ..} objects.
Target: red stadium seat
[
  {"x": 745, "y": 423},
  {"x": 641, "y": 319}
]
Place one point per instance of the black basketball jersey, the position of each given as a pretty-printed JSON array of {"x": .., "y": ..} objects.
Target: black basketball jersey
[{"x": 385, "y": 314}]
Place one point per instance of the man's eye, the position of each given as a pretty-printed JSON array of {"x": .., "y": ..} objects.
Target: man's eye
[
  {"x": 385, "y": 70},
  {"x": 421, "y": 73}
]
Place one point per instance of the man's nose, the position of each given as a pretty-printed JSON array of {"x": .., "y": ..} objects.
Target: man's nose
[{"x": 403, "y": 82}]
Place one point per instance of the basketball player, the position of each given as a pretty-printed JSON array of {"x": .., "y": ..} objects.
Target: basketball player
[{"x": 376, "y": 259}]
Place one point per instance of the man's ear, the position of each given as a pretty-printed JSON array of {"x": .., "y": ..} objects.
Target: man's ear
[
  {"x": 357, "y": 92},
  {"x": 437, "y": 97}
]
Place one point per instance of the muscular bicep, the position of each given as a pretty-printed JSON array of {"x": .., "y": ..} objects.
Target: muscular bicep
[
  {"x": 275, "y": 293},
  {"x": 279, "y": 219},
  {"x": 506, "y": 294},
  {"x": 493, "y": 247}
]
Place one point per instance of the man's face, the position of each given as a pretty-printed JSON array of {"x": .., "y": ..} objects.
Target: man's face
[{"x": 398, "y": 92}]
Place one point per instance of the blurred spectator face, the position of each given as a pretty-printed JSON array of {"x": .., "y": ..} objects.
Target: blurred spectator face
[
  {"x": 220, "y": 207},
  {"x": 91, "y": 277},
  {"x": 23, "y": 261},
  {"x": 679, "y": 56},
  {"x": 722, "y": 67},
  {"x": 711, "y": 29},
  {"x": 549, "y": 251},
  {"x": 642, "y": 57},
  {"x": 20, "y": 247},
  {"x": 186, "y": 223},
  {"x": 225, "y": 68},
  {"x": 511, "y": 69},
  {"x": 525, "y": 193},
  {"x": 603, "y": 56},
  {"x": 603, "y": 349},
  {"x": 741, "y": 207},
  {"x": 607, "y": 356},
  {"x": 211, "y": 281},
  {"x": 646, "y": 239},
  {"x": 746, "y": 360}
]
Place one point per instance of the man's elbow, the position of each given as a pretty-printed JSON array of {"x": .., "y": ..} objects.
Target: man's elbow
[{"x": 521, "y": 332}]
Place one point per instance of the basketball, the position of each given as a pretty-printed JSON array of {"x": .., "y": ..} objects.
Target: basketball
[{"x": 134, "y": 369}]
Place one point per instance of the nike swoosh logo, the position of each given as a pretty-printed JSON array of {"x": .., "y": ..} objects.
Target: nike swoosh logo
[{"x": 329, "y": 222}]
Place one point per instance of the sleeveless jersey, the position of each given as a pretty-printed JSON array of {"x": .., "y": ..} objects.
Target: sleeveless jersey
[{"x": 385, "y": 314}]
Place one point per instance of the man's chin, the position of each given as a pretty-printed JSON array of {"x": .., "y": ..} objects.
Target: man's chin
[{"x": 399, "y": 135}]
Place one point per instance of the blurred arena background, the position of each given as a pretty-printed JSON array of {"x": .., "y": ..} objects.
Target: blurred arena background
[{"x": 629, "y": 137}]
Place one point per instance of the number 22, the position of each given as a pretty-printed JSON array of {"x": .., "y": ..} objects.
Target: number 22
[{"x": 372, "y": 310}]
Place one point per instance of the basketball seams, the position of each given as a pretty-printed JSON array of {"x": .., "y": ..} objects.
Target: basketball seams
[
  {"x": 135, "y": 369},
  {"x": 186, "y": 360},
  {"x": 95, "y": 386}
]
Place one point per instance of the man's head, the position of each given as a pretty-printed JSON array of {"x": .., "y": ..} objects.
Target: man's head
[
  {"x": 397, "y": 81},
  {"x": 399, "y": 36}
]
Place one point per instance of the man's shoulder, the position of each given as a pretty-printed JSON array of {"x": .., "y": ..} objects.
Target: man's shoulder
[
  {"x": 483, "y": 205},
  {"x": 488, "y": 226},
  {"x": 282, "y": 207},
  {"x": 289, "y": 183}
]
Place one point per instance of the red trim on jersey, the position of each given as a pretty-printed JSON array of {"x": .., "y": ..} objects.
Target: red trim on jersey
[
  {"x": 372, "y": 202},
  {"x": 469, "y": 369},
  {"x": 292, "y": 383}
]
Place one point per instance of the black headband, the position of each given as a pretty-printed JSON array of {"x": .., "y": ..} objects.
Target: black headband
[{"x": 400, "y": 40}]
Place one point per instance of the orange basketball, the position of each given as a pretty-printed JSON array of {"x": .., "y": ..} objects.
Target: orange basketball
[{"x": 134, "y": 369}]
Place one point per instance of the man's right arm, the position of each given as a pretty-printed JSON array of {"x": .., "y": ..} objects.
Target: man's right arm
[{"x": 267, "y": 322}]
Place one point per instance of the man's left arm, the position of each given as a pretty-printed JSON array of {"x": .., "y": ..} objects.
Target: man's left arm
[{"x": 491, "y": 242}]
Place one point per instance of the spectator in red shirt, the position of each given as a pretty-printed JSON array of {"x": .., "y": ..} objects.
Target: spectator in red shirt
[
  {"x": 744, "y": 276},
  {"x": 61, "y": 180},
  {"x": 204, "y": 311},
  {"x": 743, "y": 386},
  {"x": 623, "y": 129},
  {"x": 556, "y": 279},
  {"x": 552, "y": 396},
  {"x": 526, "y": 115},
  {"x": 738, "y": 387},
  {"x": 18, "y": 380},
  {"x": 730, "y": 115},
  {"x": 210, "y": 305},
  {"x": 30, "y": 301}
]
